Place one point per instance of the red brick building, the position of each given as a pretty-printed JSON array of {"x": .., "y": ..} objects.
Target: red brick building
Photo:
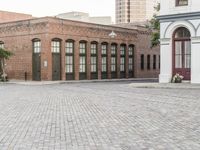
[
  {"x": 6, "y": 16},
  {"x": 55, "y": 49}
]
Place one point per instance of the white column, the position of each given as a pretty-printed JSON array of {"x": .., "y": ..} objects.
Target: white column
[
  {"x": 195, "y": 60},
  {"x": 165, "y": 61}
]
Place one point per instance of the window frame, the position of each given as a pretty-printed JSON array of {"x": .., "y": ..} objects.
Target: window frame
[
  {"x": 82, "y": 65},
  {"x": 123, "y": 57},
  {"x": 37, "y": 48},
  {"x": 94, "y": 55},
  {"x": 69, "y": 53},
  {"x": 54, "y": 47},
  {"x": 130, "y": 56},
  {"x": 104, "y": 53},
  {"x": 113, "y": 58},
  {"x": 178, "y": 3}
]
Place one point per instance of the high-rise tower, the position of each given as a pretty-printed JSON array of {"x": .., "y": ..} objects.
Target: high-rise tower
[{"x": 127, "y": 11}]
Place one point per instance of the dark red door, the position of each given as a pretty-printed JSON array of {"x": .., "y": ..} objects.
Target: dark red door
[{"x": 182, "y": 58}]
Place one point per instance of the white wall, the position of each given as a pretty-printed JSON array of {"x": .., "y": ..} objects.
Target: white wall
[{"x": 168, "y": 7}]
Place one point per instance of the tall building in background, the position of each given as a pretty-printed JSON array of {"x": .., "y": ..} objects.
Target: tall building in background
[
  {"x": 85, "y": 17},
  {"x": 129, "y": 11}
]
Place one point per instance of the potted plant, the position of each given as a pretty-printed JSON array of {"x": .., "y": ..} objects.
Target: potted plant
[
  {"x": 4, "y": 54},
  {"x": 177, "y": 78}
]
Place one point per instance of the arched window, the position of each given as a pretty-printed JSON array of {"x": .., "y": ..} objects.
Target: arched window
[
  {"x": 69, "y": 59},
  {"x": 182, "y": 32},
  {"x": 182, "y": 52},
  {"x": 104, "y": 60},
  {"x": 94, "y": 59},
  {"x": 122, "y": 60},
  {"x": 36, "y": 45},
  {"x": 82, "y": 60}
]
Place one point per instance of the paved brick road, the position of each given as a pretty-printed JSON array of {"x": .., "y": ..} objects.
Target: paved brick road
[{"x": 98, "y": 116}]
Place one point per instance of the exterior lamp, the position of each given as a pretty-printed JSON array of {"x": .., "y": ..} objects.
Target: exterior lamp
[{"x": 112, "y": 34}]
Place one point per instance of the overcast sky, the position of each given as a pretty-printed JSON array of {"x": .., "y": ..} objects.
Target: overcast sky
[{"x": 40, "y": 8}]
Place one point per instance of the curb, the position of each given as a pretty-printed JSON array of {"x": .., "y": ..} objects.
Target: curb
[{"x": 140, "y": 80}]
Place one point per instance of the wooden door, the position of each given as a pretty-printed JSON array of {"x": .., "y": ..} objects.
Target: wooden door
[
  {"x": 56, "y": 66},
  {"x": 36, "y": 72},
  {"x": 182, "y": 58}
]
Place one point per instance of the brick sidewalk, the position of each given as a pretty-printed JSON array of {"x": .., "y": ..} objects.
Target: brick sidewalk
[{"x": 98, "y": 116}]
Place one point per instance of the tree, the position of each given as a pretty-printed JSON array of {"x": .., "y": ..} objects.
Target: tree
[
  {"x": 4, "y": 54},
  {"x": 155, "y": 27}
]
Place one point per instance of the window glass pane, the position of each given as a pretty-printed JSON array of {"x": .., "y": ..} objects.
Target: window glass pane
[
  {"x": 178, "y": 47},
  {"x": 187, "y": 47},
  {"x": 104, "y": 63},
  {"x": 122, "y": 50},
  {"x": 69, "y": 64},
  {"x": 182, "y": 2},
  {"x": 187, "y": 61},
  {"x": 82, "y": 47},
  {"x": 36, "y": 46},
  {"x": 113, "y": 64},
  {"x": 113, "y": 49},
  {"x": 55, "y": 47},
  {"x": 182, "y": 33},
  {"x": 130, "y": 64},
  {"x": 93, "y": 48},
  {"x": 82, "y": 62},
  {"x": 178, "y": 61},
  {"x": 122, "y": 63},
  {"x": 104, "y": 49},
  {"x": 130, "y": 50},
  {"x": 69, "y": 47}
]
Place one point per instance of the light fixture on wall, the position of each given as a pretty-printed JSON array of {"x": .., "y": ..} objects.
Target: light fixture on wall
[{"x": 112, "y": 34}]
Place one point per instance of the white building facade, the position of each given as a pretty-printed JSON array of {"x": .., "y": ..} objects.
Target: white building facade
[{"x": 180, "y": 40}]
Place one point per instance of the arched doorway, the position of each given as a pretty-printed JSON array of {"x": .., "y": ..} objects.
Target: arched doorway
[{"x": 182, "y": 53}]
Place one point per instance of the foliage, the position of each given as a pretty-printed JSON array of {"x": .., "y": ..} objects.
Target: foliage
[
  {"x": 4, "y": 54},
  {"x": 177, "y": 78},
  {"x": 155, "y": 27}
]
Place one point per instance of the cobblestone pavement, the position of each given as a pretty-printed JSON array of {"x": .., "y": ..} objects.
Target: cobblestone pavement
[{"x": 98, "y": 116}]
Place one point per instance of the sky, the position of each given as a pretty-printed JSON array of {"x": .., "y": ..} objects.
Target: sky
[{"x": 41, "y": 8}]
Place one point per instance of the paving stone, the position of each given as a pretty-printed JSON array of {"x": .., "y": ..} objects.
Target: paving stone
[{"x": 98, "y": 116}]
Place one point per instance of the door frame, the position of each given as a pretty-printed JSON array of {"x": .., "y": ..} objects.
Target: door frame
[{"x": 182, "y": 40}]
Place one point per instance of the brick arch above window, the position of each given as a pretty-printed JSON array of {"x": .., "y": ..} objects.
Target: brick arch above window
[
  {"x": 114, "y": 43},
  {"x": 104, "y": 43},
  {"x": 56, "y": 39},
  {"x": 35, "y": 40},
  {"x": 69, "y": 40},
  {"x": 94, "y": 42},
  {"x": 82, "y": 41}
]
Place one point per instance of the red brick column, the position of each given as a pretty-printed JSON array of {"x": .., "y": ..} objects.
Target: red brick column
[
  {"x": 99, "y": 61},
  {"x": 88, "y": 47},
  {"x": 46, "y": 55},
  {"x": 109, "y": 61},
  {"x": 62, "y": 52},
  {"x": 76, "y": 58}
]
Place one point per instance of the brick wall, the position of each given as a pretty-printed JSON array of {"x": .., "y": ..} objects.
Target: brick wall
[
  {"x": 12, "y": 16},
  {"x": 18, "y": 37}
]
